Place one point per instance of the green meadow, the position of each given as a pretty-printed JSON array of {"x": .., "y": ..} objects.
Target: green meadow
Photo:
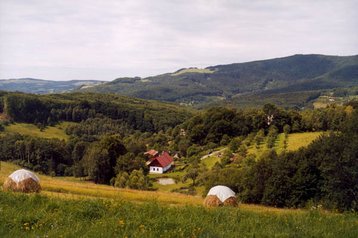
[
  {"x": 42, "y": 216},
  {"x": 50, "y": 132}
]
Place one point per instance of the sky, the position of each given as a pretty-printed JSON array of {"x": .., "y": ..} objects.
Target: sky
[{"x": 104, "y": 40}]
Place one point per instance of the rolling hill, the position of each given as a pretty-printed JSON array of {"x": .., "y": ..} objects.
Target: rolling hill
[
  {"x": 293, "y": 80},
  {"x": 39, "y": 86},
  {"x": 289, "y": 81}
]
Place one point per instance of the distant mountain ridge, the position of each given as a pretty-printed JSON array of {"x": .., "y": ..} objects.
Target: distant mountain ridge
[
  {"x": 297, "y": 73},
  {"x": 40, "y": 86},
  {"x": 288, "y": 81}
]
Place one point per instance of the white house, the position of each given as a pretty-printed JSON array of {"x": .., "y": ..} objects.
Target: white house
[{"x": 160, "y": 164}]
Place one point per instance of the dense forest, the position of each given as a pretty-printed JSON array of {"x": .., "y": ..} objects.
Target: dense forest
[{"x": 110, "y": 133}]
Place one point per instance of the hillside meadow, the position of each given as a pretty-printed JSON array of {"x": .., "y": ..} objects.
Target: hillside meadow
[
  {"x": 68, "y": 207},
  {"x": 50, "y": 132}
]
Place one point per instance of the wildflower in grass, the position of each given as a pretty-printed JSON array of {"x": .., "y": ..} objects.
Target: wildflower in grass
[{"x": 121, "y": 222}]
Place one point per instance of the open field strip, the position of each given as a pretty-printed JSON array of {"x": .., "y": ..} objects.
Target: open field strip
[
  {"x": 50, "y": 132},
  {"x": 294, "y": 142},
  {"x": 298, "y": 140}
]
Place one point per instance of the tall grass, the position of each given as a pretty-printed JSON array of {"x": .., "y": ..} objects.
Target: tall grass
[{"x": 40, "y": 216}]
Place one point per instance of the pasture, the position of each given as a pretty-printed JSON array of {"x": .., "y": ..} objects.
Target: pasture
[
  {"x": 50, "y": 132},
  {"x": 68, "y": 207}
]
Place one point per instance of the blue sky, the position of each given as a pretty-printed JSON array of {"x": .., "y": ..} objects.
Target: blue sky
[{"x": 87, "y": 39}]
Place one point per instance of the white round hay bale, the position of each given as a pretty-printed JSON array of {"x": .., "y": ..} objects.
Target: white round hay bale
[
  {"x": 22, "y": 180},
  {"x": 22, "y": 174},
  {"x": 222, "y": 192}
]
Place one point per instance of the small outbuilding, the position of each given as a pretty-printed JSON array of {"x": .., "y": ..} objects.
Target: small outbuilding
[
  {"x": 151, "y": 153},
  {"x": 22, "y": 180},
  {"x": 220, "y": 196}
]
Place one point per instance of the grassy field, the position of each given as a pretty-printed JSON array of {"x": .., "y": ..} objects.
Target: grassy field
[
  {"x": 193, "y": 70},
  {"x": 210, "y": 161},
  {"x": 294, "y": 142},
  {"x": 39, "y": 216},
  {"x": 298, "y": 140},
  {"x": 69, "y": 187},
  {"x": 326, "y": 100},
  {"x": 68, "y": 207},
  {"x": 57, "y": 131}
]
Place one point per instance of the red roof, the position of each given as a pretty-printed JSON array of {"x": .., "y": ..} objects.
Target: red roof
[
  {"x": 151, "y": 152},
  {"x": 162, "y": 160}
]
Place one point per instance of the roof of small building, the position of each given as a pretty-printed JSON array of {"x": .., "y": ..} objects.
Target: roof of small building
[
  {"x": 162, "y": 160},
  {"x": 151, "y": 152}
]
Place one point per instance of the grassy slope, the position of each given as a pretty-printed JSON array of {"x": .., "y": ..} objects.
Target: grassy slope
[
  {"x": 69, "y": 187},
  {"x": 210, "y": 161},
  {"x": 32, "y": 130},
  {"x": 295, "y": 141},
  {"x": 82, "y": 209}
]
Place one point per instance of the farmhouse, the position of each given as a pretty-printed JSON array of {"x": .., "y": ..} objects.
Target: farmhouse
[{"x": 160, "y": 163}]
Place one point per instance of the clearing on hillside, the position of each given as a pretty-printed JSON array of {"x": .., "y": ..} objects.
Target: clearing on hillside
[{"x": 50, "y": 132}]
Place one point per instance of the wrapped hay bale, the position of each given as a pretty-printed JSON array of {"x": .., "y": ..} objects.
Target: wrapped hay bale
[
  {"x": 212, "y": 201},
  {"x": 231, "y": 202},
  {"x": 221, "y": 195},
  {"x": 22, "y": 180}
]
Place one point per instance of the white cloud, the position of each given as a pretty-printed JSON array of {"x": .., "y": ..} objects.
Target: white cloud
[{"x": 88, "y": 39}]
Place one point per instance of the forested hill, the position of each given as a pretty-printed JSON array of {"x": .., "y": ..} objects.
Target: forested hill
[
  {"x": 136, "y": 114},
  {"x": 298, "y": 73}
]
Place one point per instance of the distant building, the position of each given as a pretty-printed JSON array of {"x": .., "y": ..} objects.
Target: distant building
[
  {"x": 160, "y": 163},
  {"x": 151, "y": 153}
]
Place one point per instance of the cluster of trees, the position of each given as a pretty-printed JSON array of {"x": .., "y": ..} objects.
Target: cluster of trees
[
  {"x": 99, "y": 161},
  {"x": 219, "y": 126},
  {"x": 135, "y": 180},
  {"x": 50, "y": 109},
  {"x": 94, "y": 127},
  {"x": 323, "y": 173},
  {"x": 217, "y": 123},
  {"x": 50, "y": 156}
]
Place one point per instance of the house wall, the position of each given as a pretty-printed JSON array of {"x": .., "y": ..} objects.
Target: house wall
[
  {"x": 166, "y": 168},
  {"x": 155, "y": 170}
]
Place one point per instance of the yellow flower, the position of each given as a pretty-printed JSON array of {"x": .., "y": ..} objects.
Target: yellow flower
[{"x": 121, "y": 222}]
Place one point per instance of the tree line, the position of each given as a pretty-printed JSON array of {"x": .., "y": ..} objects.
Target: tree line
[{"x": 324, "y": 173}]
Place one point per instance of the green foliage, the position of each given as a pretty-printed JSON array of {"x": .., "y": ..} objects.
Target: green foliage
[
  {"x": 42, "y": 155},
  {"x": 137, "y": 180},
  {"x": 100, "y": 159},
  {"x": 271, "y": 136},
  {"x": 286, "y": 129},
  {"x": 42, "y": 216},
  {"x": 133, "y": 113},
  {"x": 121, "y": 180},
  {"x": 323, "y": 173},
  {"x": 235, "y": 144},
  {"x": 193, "y": 172},
  {"x": 129, "y": 162}
]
